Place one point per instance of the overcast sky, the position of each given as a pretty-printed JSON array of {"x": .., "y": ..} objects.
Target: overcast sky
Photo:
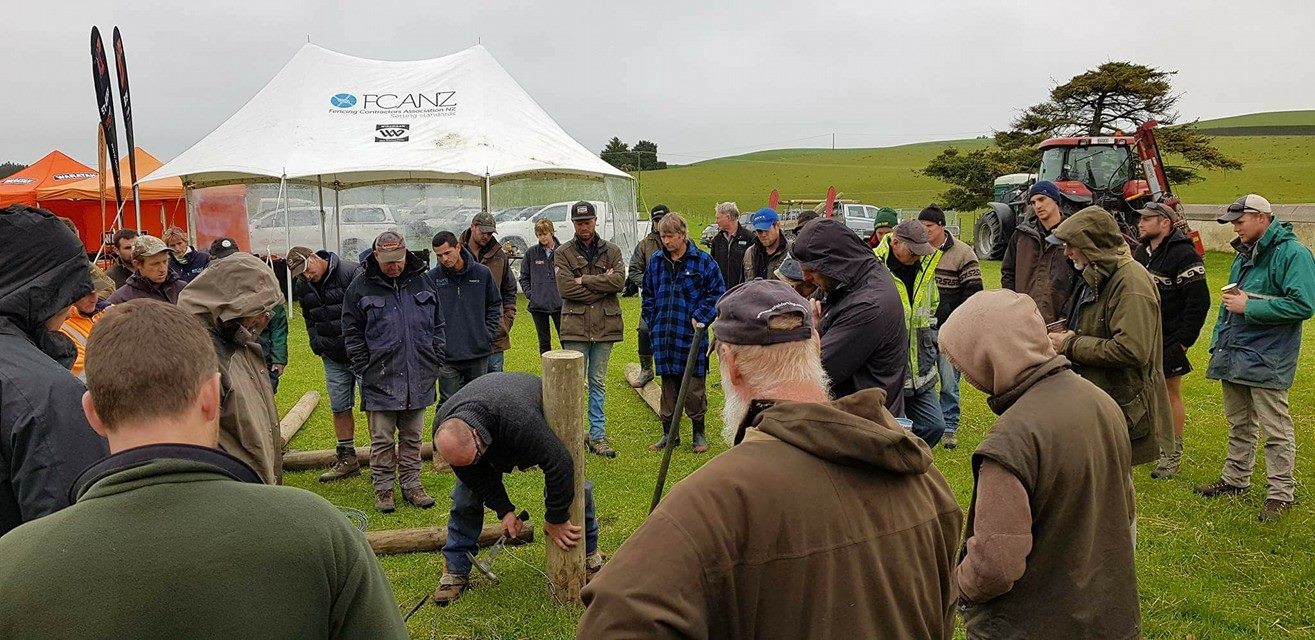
[{"x": 700, "y": 79}]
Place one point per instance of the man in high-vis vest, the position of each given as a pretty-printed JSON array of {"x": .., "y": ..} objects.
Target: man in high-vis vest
[
  {"x": 81, "y": 317},
  {"x": 912, "y": 260}
]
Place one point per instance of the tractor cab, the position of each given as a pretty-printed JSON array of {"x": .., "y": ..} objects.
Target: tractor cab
[{"x": 1095, "y": 170}]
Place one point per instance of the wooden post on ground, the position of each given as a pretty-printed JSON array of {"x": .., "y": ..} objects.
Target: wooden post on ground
[
  {"x": 298, "y": 415},
  {"x": 393, "y": 541},
  {"x": 563, "y": 406},
  {"x": 324, "y": 458}
]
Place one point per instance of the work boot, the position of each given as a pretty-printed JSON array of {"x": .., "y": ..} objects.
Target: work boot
[
  {"x": 949, "y": 441},
  {"x": 600, "y": 447},
  {"x": 346, "y": 466},
  {"x": 1217, "y": 489},
  {"x": 383, "y": 501},
  {"x": 1274, "y": 509},
  {"x": 645, "y": 370},
  {"x": 592, "y": 564},
  {"x": 417, "y": 497},
  {"x": 1169, "y": 462},
  {"x": 700, "y": 440},
  {"x": 662, "y": 443},
  {"x": 450, "y": 587}
]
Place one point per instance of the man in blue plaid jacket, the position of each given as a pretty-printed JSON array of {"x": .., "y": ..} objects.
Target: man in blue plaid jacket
[{"x": 681, "y": 288}]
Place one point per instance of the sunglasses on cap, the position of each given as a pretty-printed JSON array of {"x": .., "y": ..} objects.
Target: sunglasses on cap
[{"x": 1241, "y": 208}]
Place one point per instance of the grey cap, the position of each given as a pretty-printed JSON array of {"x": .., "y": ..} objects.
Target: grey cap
[
  {"x": 790, "y": 270},
  {"x": 745, "y": 314},
  {"x": 913, "y": 235},
  {"x": 1250, "y": 203},
  {"x": 484, "y": 220}
]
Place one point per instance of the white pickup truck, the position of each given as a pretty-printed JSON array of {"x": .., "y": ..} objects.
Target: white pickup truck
[
  {"x": 520, "y": 233},
  {"x": 361, "y": 223}
]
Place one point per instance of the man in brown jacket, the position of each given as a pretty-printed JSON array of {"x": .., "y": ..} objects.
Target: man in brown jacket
[
  {"x": 234, "y": 299},
  {"x": 1049, "y": 547},
  {"x": 1033, "y": 267},
  {"x": 481, "y": 242},
  {"x": 827, "y": 519},
  {"x": 1114, "y": 334},
  {"x": 590, "y": 274}
]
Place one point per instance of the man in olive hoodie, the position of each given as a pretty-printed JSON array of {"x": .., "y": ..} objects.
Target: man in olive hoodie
[
  {"x": 1048, "y": 552},
  {"x": 826, "y": 519},
  {"x": 171, "y": 537},
  {"x": 1114, "y": 334}
]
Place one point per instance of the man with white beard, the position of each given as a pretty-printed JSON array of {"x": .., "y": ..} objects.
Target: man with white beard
[{"x": 816, "y": 497}]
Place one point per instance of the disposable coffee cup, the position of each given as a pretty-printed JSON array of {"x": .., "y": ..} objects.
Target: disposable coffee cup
[
  {"x": 1229, "y": 288},
  {"x": 906, "y": 423}
]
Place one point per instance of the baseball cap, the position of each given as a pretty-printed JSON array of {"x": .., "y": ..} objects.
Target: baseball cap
[
  {"x": 297, "y": 260},
  {"x": 484, "y": 220},
  {"x": 146, "y": 246},
  {"x": 790, "y": 270},
  {"x": 1153, "y": 209},
  {"x": 222, "y": 248},
  {"x": 913, "y": 235},
  {"x": 1250, "y": 203},
  {"x": 388, "y": 247},
  {"x": 657, "y": 212},
  {"x": 583, "y": 210},
  {"x": 763, "y": 219},
  {"x": 745, "y": 314}
]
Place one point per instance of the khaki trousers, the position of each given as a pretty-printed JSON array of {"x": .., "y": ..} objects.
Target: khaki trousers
[
  {"x": 387, "y": 462},
  {"x": 1249, "y": 410}
]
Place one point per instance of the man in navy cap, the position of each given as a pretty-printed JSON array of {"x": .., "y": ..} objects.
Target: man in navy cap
[
  {"x": 1034, "y": 267},
  {"x": 763, "y": 258}
]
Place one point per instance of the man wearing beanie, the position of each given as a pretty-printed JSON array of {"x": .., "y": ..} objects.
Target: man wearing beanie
[
  {"x": 1033, "y": 267},
  {"x": 958, "y": 276},
  {"x": 814, "y": 497},
  {"x": 648, "y": 245},
  {"x": 1052, "y": 496}
]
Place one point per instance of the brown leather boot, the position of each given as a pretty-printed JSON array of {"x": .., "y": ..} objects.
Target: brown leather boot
[
  {"x": 383, "y": 501},
  {"x": 417, "y": 497},
  {"x": 346, "y": 466},
  {"x": 450, "y": 587}
]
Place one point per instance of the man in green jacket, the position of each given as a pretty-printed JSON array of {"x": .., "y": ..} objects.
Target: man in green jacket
[
  {"x": 1113, "y": 336},
  {"x": 171, "y": 537},
  {"x": 1256, "y": 344}
]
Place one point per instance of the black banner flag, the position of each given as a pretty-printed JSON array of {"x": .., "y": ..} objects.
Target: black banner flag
[
  {"x": 100, "y": 72},
  {"x": 125, "y": 101}
]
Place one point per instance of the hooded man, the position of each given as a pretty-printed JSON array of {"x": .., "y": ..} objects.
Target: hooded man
[
  {"x": 1049, "y": 547},
  {"x": 45, "y": 441},
  {"x": 185, "y": 260},
  {"x": 153, "y": 278},
  {"x": 644, "y": 250},
  {"x": 826, "y": 518},
  {"x": 1113, "y": 336},
  {"x": 865, "y": 342},
  {"x": 482, "y": 244},
  {"x": 1035, "y": 267},
  {"x": 235, "y": 299}
]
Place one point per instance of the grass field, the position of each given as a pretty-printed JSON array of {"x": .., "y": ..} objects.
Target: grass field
[
  {"x": 1267, "y": 119},
  {"x": 1206, "y": 569}
]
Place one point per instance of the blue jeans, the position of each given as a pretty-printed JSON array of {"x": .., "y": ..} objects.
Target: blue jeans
[
  {"x": 342, "y": 383},
  {"x": 466, "y": 519},
  {"x": 456, "y": 374},
  {"x": 949, "y": 393},
  {"x": 924, "y": 409},
  {"x": 496, "y": 361},
  {"x": 595, "y": 360}
]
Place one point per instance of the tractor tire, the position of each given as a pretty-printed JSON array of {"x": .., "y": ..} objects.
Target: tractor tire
[{"x": 988, "y": 239}]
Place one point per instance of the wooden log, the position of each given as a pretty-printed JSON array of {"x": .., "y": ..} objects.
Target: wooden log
[
  {"x": 650, "y": 393},
  {"x": 324, "y": 458},
  {"x": 563, "y": 406},
  {"x": 394, "y": 541},
  {"x": 298, "y": 415}
]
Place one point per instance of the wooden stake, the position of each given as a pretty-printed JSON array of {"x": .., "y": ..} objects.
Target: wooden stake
[
  {"x": 563, "y": 406},
  {"x": 325, "y": 458},
  {"x": 298, "y": 415},
  {"x": 394, "y": 541}
]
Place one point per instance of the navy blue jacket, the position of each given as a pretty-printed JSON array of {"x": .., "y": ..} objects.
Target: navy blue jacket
[
  {"x": 321, "y": 306},
  {"x": 675, "y": 293},
  {"x": 191, "y": 267},
  {"x": 539, "y": 279},
  {"x": 393, "y": 330},
  {"x": 472, "y": 308}
]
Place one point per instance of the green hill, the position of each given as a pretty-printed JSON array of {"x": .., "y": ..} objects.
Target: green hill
[{"x": 1272, "y": 123}]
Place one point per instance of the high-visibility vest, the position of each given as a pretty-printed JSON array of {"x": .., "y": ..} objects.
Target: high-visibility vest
[
  {"x": 920, "y": 315},
  {"x": 78, "y": 329}
]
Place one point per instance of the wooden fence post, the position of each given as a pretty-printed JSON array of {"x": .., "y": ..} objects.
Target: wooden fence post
[{"x": 563, "y": 406}]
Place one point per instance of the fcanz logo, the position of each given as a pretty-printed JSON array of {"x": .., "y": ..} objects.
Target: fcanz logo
[
  {"x": 439, "y": 103},
  {"x": 343, "y": 101},
  {"x": 392, "y": 132}
]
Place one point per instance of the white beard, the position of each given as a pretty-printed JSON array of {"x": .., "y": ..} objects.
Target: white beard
[{"x": 734, "y": 408}]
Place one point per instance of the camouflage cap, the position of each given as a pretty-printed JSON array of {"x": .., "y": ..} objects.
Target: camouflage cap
[
  {"x": 145, "y": 246},
  {"x": 484, "y": 220},
  {"x": 297, "y": 260},
  {"x": 389, "y": 247}
]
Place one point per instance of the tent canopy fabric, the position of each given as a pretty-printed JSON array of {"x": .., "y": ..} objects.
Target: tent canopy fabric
[
  {"x": 89, "y": 188},
  {"x": 53, "y": 171},
  {"x": 357, "y": 121}
]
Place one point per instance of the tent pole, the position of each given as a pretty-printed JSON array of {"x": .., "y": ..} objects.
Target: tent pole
[
  {"x": 287, "y": 241},
  {"x": 337, "y": 218},
  {"x": 488, "y": 192},
  {"x": 189, "y": 204},
  {"x": 324, "y": 231}
]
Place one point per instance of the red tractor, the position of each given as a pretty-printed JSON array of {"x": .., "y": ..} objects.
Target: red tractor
[{"x": 1119, "y": 173}]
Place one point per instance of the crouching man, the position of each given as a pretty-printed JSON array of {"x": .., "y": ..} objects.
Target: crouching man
[
  {"x": 825, "y": 519},
  {"x": 1053, "y": 498},
  {"x": 490, "y": 427}
]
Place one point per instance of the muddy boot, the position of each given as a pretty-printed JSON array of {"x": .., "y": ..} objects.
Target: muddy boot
[
  {"x": 450, "y": 587},
  {"x": 645, "y": 371},
  {"x": 383, "y": 501},
  {"x": 417, "y": 497},
  {"x": 662, "y": 442},
  {"x": 601, "y": 447},
  {"x": 346, "y": 466},
  {"x": 1169, "y": 462},
  {"x": 700, "y": 441},
  {"x": 592, "y": 564}
]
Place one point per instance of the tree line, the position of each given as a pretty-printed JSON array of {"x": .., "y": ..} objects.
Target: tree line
[{"x": 641, "y": 157}]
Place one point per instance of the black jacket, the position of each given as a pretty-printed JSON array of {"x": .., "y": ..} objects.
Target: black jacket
[
  {"x": 45, "y": 441},
  {"x": 539, "y": 279},
  {"x": 1179, "y": 274},
  {"x": 393, "y": 329},
  {"x": 507, "y": 409},
  {"x": 729, "y": 254},
  {"x": 865, "y": 342},
  {"x": 321, "y": 306},
  {"x": 472, "y": 308}
]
